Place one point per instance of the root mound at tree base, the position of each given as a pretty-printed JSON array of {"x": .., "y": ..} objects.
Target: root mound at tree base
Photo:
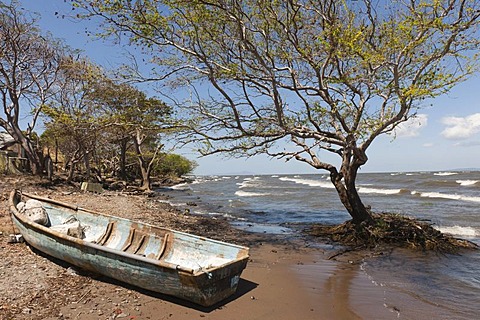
[{"x": 394, "y": 230}]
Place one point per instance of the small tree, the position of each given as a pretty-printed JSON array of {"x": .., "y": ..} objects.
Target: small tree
[
  {"x": 29, "y": 63},
  {"x": 315, "y": 76},
  {"x": 132, "y": 118},
  {"x": 175, "y": 165},
  {"x": 72, "y": 118},
  {"x": 118, "y": 103}
]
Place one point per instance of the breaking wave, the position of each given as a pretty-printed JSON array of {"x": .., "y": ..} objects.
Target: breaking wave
[
  {"x": 379, "y": 191},
  {"x": 249, "y": 182},
  {"x": 181, "y": 186},
  {"x": 446, "y": 196},
  {"x": 445, "y": 173},
  {"x": 241, "y": 193},
  {"x": 466, "y": 183},
  {"x": 459, "y": 231},
  {"x": 309, "y": 182}
]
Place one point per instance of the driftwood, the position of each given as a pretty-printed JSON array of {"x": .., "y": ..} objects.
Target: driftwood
[{"x": 394, "y": 230}]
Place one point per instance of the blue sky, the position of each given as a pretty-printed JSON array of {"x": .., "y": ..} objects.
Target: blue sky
[{"x": 445, "y": 136}]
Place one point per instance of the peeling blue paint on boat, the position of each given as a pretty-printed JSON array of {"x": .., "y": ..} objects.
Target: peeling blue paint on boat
[{"x": 183, "y": 265}]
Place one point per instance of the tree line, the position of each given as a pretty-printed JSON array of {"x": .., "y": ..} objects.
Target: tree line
[
  {"x": 92, "y": 122},
  {"x": 295, "y": 80}
]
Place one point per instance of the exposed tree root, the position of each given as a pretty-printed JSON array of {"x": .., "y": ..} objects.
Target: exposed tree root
[{"x": 394, "y": 230}]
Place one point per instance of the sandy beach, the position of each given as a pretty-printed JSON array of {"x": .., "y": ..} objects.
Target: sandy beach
[
  {"x": 283, "y": 279},
  {"x": 279, "y": 283}
]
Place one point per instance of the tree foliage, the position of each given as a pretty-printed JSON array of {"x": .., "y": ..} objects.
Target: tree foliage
[
  {"x": 174, "y": 165},
  {"x": 315, "y": 76},
  {"x": 132, "y": 118},
  {"x": 72, "y": 118}
]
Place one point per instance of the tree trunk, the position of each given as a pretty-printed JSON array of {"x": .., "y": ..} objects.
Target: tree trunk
[
  {"x": 350, "y": 199},
  {"x": 146, "y": 181},
  {"x": 34, "y": 160},
  {"x": 145, "y": 168},
  {"x": 344, "y": 182},
  {"x": 123, "y": 159},
  {"x": 71, "y": 172},
  {"x": 48, "y": 164},
  {"x": 56, "y": 153},
  {"x": 86, "y": 163}
]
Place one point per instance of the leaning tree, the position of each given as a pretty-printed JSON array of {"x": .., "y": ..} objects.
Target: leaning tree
[
  {"x": 299, "y": 79},
  {"x": 29, "y": 64}
]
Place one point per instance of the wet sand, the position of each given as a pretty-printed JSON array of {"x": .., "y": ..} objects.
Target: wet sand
[
  {"x": 279, "y": 283},
  {"x": 285, "y": 284}
]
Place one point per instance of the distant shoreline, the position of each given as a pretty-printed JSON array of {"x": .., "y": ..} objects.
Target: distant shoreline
[{"x": 320, "y": 172}]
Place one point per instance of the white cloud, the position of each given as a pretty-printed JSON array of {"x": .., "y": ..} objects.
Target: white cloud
[
  {"x": 428, "y": 145},
  {"x": 411, "y": 128},
  {"x": 461, "y": 128}
]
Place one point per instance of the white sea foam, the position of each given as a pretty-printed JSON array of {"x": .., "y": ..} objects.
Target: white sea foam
[
  {"x": 378, "y": 191},
  {"x": 203, "y": 179},
  {"x": 446, "y": 196},
  {"x": 181, "y": 186},
  {"x": 250, "y": 194},
  {"x": 329, "y": 185},
  {"x": 164, "y": 201},
  {"x": 445, "y": 173},
  {"x": 466, "y": 183},
  {"x": 459, "y": 231},
  {"x": 308, "y": 182},
  {"x": 226, "y": 215},
  {"x": 249, "y": 182}
]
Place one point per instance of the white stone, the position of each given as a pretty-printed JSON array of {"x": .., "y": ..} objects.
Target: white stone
[{"x": 34, "y": 210}]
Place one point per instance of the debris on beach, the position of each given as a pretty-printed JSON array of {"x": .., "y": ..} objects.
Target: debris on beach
[{"x": 393, "y": 230}]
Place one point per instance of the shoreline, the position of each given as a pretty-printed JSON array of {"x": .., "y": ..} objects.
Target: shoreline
[{"x": 284, "y": 279}]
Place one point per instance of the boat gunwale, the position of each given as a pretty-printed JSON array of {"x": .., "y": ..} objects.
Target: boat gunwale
[{"x": 159, "y": 263}]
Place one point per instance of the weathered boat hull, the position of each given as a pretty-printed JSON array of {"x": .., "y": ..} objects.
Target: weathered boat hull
[{"x": 193, "y": 268}]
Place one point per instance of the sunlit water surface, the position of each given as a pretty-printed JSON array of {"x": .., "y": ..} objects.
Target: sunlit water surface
[{"x": 450, "y": 200}]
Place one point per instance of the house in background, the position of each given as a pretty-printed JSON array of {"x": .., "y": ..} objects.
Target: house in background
[
  {"x": 6, "y": 140},
  {"x": 10, "y": 161}
]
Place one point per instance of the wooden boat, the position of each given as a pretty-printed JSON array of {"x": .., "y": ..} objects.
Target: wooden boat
[{"x": 170, "y": 262}]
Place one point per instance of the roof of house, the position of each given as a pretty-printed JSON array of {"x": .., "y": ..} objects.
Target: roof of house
[{"x": 6, "y": 140}]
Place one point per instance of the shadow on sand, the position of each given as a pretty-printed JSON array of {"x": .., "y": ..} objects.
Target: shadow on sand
[{"x": 244, "y": 286}]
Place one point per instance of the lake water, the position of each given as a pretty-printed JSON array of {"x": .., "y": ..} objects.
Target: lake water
[{"x": 450, "y": 284}]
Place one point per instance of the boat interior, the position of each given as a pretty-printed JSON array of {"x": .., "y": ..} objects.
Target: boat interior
[{"x": 177, "y": 248}]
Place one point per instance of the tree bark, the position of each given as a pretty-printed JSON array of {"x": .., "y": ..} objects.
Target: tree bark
[
  {"x": 350, "y": 198},
  {"x": 344, "y": 182},
  {"x": 145, "y": 168},
  {"x": 71, "y": 172},
  {"x": 86, "y": 162},
  {"x": 123, "y": 159}
]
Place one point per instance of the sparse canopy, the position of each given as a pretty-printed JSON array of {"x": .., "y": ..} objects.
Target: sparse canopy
[
  {"x": 298, "y": 79},
  {"x": 29, "y": 64},
  {"x": 72, "y": 119},
  {"x": 131, "y": 117}
]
